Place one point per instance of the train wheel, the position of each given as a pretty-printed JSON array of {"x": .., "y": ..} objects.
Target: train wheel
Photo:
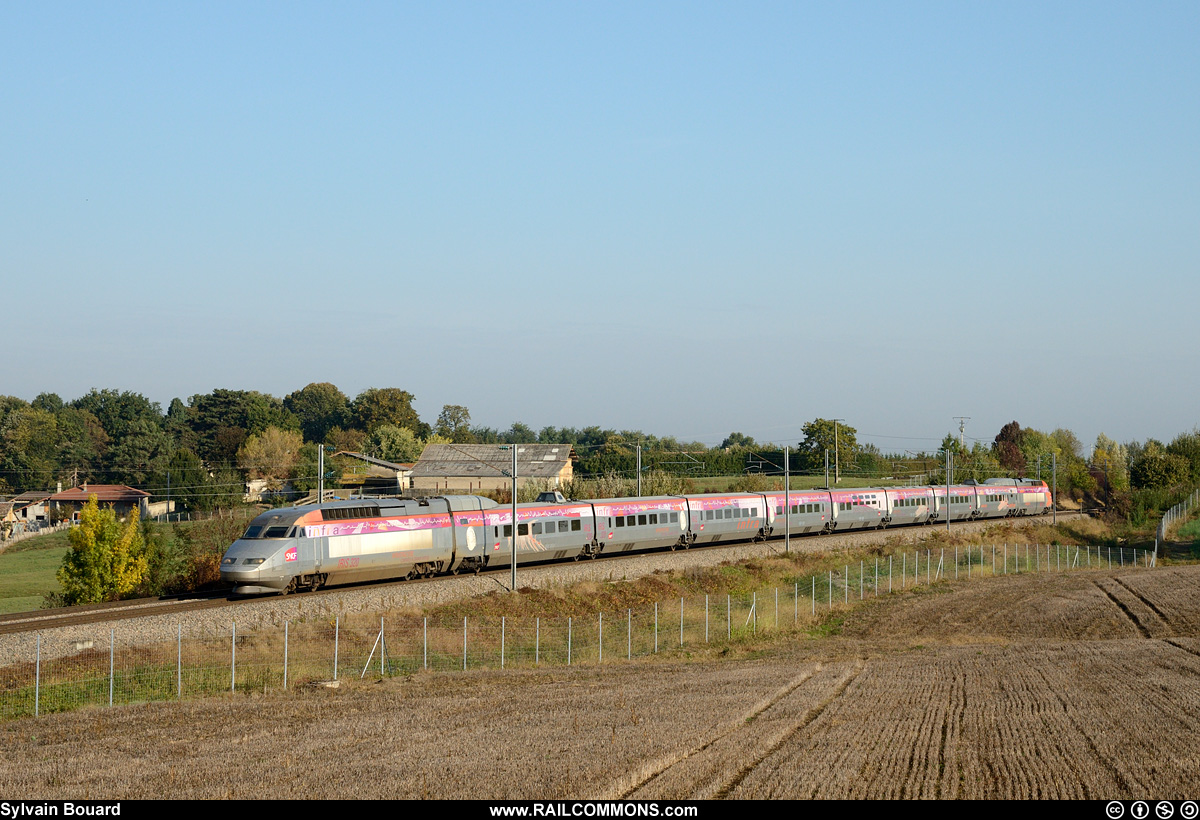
[
  {"x": 314, "y": 583},
  {"x": 291, "y": 587}
]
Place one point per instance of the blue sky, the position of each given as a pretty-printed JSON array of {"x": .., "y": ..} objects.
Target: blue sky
[{"x": 687, "y": 218}]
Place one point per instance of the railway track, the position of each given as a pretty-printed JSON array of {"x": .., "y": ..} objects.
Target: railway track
[{"x": 38, "y": 620}]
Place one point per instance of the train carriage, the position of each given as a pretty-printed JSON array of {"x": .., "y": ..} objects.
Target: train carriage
[
  {"x": 857, "y": 509},
  {"x": 908, "y": 505},
  {"x": 809, "y": 512},
  {"x": 626, "y": 524},
  {"x": 727, "y": 517},
  {"x": 545, "y": 532}
]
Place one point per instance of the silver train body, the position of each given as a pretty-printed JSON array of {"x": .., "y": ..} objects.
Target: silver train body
[{"x": 343, "y": 542}]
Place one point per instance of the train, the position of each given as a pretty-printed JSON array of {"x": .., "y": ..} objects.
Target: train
[{"x": 342, "y": 542}]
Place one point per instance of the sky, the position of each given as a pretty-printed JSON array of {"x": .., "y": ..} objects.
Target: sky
[{"x": 686, "y": 218}]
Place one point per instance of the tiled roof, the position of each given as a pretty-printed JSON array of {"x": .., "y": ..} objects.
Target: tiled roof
[
  {"x": 103, "y": 492},
  {"x": 490, "y": 461}
]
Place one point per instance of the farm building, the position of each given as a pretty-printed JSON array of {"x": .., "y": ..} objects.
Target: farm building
[{"x": 471, "y": 468}]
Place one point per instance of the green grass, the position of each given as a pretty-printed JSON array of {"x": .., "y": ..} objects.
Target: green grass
[{"x": 27, "y": 571}]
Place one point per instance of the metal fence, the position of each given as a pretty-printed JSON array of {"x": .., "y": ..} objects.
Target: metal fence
[
  {"x": 1173, "y": 516},
  {"x": 323, "y": 650}
]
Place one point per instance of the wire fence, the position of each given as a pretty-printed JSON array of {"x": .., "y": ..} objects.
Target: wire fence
[
  {"x": 322, "y": 651},
  {"x": 1175, "y": 515}
]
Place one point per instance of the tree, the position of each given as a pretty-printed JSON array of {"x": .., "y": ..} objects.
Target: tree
[
  {"x": 117, "y": 411},
  {"x": 392, "y": 443},
  {"x": 320, "y": 407},
  {"x": 826, "y": 434},
  {"x": 106, "y": 559},
  {"x": 141, "y": 453},
  {"x": 454, "y": 422},
  {"x": 224, "y": 419},
  {"x": 1113, "y": 458},
  {"x": 737, "y": 440},
  {"x": 386, "y": 405},
  {"x": 1187, "y": 447},
  {"x": 272, "y": 454},
  {"x": 1008, "y": 448},
  {"x": 29, "y": 447},
  {"x": 1155, "y": 467}
]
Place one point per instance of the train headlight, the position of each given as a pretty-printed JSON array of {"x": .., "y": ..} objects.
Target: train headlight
[
  {"x": 254, "y": 561},
  {"x": 228, "y": 561}
]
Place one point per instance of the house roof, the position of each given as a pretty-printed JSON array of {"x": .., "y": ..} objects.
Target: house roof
[
  {"x": 492, "y": 460},
  {"x": 378, "y": 462},
  {"x": 103, "y": 492},
  {"x": 31, "y": 497}
]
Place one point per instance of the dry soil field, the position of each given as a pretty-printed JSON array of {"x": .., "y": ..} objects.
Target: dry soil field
[{"x": 1078, "y": 686}]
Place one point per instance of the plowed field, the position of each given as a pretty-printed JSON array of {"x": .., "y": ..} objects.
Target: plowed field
[{"x": 1084, "y": 685}]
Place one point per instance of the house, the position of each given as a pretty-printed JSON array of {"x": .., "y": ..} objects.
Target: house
[
  {"x": 471, "y": 468},
  {"x": 121, "y": 498}
]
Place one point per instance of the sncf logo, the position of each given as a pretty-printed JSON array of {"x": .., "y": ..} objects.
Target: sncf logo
[{"x": 290, "y": 555}]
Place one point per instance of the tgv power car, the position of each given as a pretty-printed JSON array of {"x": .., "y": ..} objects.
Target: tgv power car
[{"x": 288, "y": 549}]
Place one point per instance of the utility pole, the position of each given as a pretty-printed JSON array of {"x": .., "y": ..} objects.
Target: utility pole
[
  {"x": 787, "y": 503},
  {"x": 947, "y": 490},
  {"x": 513, "y": 585},
  {"x": 837, "y": 464},
  {"x": 639, "y": 470},
  {"x": 320, "y": 473},
  {"x": 827, "y": 468},
  {"x": 962, "y": 426}
]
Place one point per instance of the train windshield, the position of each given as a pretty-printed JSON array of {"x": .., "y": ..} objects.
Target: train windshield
[{"x": 273, "y": 524}]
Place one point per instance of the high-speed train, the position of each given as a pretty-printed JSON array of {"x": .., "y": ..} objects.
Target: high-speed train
[{"x": 289, "y": 549}]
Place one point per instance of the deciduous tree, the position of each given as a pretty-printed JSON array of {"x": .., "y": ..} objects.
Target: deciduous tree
[{"x": 106, "y": 559}]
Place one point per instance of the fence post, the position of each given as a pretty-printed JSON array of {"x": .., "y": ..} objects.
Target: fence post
[
  {"x": 537, "y": 641},
  {"x": 502, "y": 618},
  {"x": 629, "y": 634},
  {"x": 728, "y": 618},
  {"x": 336, "y": 631},
  {"x": 425, "y": 643},
  {"x": 681, "y": 622},
  {"x": 111, "y": 643},
  {"x": 179, "y": 663},
  {"x": 464, "y": 643},
  {"x": 285, "y": 654},
  {"x": 569, "y": 640},
  {"x": 37, "y": 678}
]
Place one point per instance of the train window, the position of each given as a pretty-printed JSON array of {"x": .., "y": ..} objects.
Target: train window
[
  {"x": 253, "y": 532},
  {"x": 708, "y": 515},
  {"x": 563, "y": 526},
  {"x": 508, "y": 530},
  {"x": 576, "y": 525},
  {"x": 522, "y": 529},
  {"x": 754, "y": 512},
  {"x": 654, "y": 518},
  {"x": 537, "y": 528},
  {"x": 620, "y": 521},
  {"x": 778, "y": 510},
  {"x": 641, "y": 520},
  {"x": 275, "y": 532},
  {"x": 674, "y": 518},
  {"x": 631, "y": 520}
]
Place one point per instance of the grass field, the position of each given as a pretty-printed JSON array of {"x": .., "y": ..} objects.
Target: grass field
[{"x": 27, "y": 571}]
